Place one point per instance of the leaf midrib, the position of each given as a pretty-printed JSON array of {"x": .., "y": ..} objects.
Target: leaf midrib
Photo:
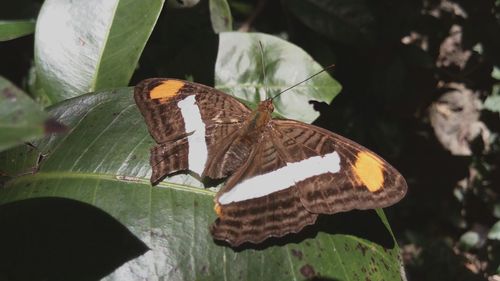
[{"x": 109, "y": 177}]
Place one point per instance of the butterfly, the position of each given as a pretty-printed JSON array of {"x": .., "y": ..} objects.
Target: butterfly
[{"x": 281, "y": 174}]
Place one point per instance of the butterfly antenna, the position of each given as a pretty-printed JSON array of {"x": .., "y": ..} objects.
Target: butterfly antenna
[
  {"x": 263, "y": 67},
  {"x": 309, "y": 78}
]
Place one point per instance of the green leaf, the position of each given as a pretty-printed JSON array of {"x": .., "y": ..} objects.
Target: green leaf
[
  {"x": 496, "y": 210},
  {"x": 103, "y": 161},
  {"x": 469, "y": 239},
  {"x": 494, "y": 232},
  {"x": 13, "y": 29},
  {"x": 35, "y": 89},
  {"x": 495, "y": 73},
  {"x": 84, "y": 46},
  {"x": 492, "y": 103},
  {"x": 239, "y": 72},
  {"x": 220, "y": 15},
  {"x": 21, "y": 119}
]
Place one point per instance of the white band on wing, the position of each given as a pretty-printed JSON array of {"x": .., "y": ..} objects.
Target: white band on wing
[
  {"x": 282, "y": 178},
  {"x": 197, "y": 156}
]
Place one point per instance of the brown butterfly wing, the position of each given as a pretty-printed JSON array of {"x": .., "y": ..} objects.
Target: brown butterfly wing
[
  {"x": 365, "y": 180},
  {"x": 273, "y": 215},
  {"x": 289, "y": 210},
  {"x": 159, "y": 101}
]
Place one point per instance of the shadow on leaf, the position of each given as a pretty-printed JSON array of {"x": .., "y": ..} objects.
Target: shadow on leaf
[{"x": 62, "y": 239}]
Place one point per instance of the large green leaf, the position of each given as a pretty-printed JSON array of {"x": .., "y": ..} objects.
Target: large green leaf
[
  {"x": 104, "y": 161},
  {"x": 239, "y": 71},
  {"x": 21, "y": 119},
  {"x": 84, "y": 46},
  {"x": 15, "y": 28}
]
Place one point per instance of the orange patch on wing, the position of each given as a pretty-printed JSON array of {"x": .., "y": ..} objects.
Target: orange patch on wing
[
  {"x": 369, "y": 170},
  {"x": 166, "y": 90}
]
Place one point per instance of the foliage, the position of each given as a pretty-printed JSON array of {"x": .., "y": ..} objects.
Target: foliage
[
  {"x": 102, "y": 160},
  {"x": 420, "y": 87},
  {"x": 21, "y": 119},
  {"x": 13, "y": 29}
]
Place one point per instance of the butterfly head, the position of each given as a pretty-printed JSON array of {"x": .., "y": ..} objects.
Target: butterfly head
[
  {"x": 266, "y": 106},
  {"x": 259, "y": 118}
]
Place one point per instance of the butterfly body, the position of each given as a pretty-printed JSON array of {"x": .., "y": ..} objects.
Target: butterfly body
[
  {"x": 281, "y": 174},
  {"x": 253, "y": 126}
]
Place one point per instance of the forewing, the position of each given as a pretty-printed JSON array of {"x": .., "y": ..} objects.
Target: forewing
[
  {"x": 364, "y": 181},
  {"x": 158, "y": 98},
  {"x": 189, "y": 121}
]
